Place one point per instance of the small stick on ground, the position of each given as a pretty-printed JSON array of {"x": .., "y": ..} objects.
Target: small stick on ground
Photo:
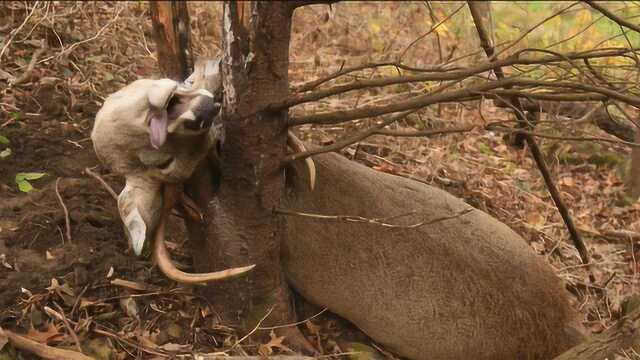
[
  {"x": 42, "y": 350},
  {"x": 104, "y": 184},
  {"x": 73, "y": 334},
  {"x": 67, "y": 221},
  {"x": 100, "y": 330}
]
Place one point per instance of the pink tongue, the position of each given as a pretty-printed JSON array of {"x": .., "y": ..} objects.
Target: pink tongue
[{"x": 159, "y": 123}]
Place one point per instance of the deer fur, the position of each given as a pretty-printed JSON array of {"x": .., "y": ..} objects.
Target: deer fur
[{"x": 463, "y": 287}]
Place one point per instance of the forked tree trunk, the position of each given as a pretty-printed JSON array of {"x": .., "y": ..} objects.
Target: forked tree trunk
[
  {"x": 172, "y": 34},
  {"x": 240, "y": 228}
]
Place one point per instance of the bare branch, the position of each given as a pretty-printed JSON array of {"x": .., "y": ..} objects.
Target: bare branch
[
  {"x": 424, "y": 133},
  {"x": 533, "y": 146},
  {"x": 515, "y": 59},
  {"x": 495, "y": 127},
  {"x": 620, "y": 21},
  {"x": 344, "y": 71},
  {"x": 550, "y": 96},
  {"x": 378, "y": 221},
  {"x": 433, "y": 28},
  {"x": 413, "y": 103},
  {"x": 348, "y": 141},
  {"x": 470, "y": 92},
  {"x": 545, "y": 20}
]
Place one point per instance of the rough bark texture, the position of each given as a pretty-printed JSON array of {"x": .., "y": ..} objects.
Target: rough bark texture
[
  {"x": 467, "y": 287},
  {"x": 240, "y": 228},
  {"x": 171, "y": 30}
]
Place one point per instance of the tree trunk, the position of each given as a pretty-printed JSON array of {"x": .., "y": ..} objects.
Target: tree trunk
[
  {"x": 172, "y": 33},
  {"x": 240, "y": 227}
]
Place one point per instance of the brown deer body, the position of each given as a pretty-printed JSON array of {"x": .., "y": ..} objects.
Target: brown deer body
[{"x": 463, "y": 287}]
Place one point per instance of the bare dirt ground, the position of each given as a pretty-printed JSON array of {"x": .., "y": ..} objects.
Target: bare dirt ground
[{"x": 48, "y": 119}]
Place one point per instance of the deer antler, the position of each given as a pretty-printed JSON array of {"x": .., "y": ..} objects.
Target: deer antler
[
  {"x": 298, "y": 146},
  {"x": 171, "y": 194}
]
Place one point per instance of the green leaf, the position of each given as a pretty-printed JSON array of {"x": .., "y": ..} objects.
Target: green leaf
[
  {"x": 485, "y": 149},
  {"x": 4, "y": 140},
  {"x": 22, "y": 180},
  {"x": 5, "y": 153},
  {"x": 24, "y": 186},
  {"x": 29, "y": 176}
]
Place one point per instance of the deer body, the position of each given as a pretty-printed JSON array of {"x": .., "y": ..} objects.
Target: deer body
[
  {"x": 466, "y": 287},
  {"x": 460, "y": 286}
]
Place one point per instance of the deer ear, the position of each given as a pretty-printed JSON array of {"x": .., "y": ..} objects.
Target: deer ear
[
  {"x": 160, "y": 92},
  {"x": 139, "y": 205},
  {"x": 134, "y": 225}
]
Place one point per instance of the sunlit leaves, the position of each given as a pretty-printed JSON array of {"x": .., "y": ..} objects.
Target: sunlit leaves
[{"x": 23, "y": 180}]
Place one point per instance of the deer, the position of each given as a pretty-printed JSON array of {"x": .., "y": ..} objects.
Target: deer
[{"x": 418, "y": 270}]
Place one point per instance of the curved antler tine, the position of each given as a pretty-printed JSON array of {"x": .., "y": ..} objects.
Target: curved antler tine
[
  {"x": 298, "y": 146},
  {"x": 163, "y": 259}
]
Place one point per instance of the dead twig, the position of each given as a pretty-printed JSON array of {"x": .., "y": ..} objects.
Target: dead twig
[
  {"x": 485, "y": 42},
  {"x": 433, "y": 28},
  {"x": 308, "y": 86},
  {"x": 256, "y": 328},
  {"x": 26, "y": 75},
  {"x": 17, "y": 30},
  {"x": 295, "y": 323},
  {"x": 42, "y": 350},
  {"x": 493, "y": 127},
  {"x": 133, "y": 285},
  {"x": 361, "y": 219},
  {"x": 67, "y": 221},
  {"x": 351, "y": 140},
  {"x": 376, "y": 130},
  {"x": 104, "y": 184},
  {"x": 100, "y": 330},
  {"x": 304, "y": 96},
  {"x": 620, "y": 21},
  {"x": 69, "y": 328}
]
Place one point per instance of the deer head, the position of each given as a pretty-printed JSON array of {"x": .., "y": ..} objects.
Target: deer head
[{"x": 155, "y": 133}]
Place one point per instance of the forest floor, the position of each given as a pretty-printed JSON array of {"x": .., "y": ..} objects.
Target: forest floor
[{"x": 93, "y": 279}]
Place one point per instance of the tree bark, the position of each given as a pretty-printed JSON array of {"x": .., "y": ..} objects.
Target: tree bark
[
  {"x": 172, "y": 33},
  {"x": 239, "y": 226}
]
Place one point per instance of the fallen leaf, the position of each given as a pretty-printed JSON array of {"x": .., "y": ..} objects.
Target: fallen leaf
[
  {"x": 60, "y": 289},
  {"x": 174, "y": 330},
  {"x": 130, "y": 307},
  {"x": 51, "y": 334},
  {"x": 274, "y": 342}
]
